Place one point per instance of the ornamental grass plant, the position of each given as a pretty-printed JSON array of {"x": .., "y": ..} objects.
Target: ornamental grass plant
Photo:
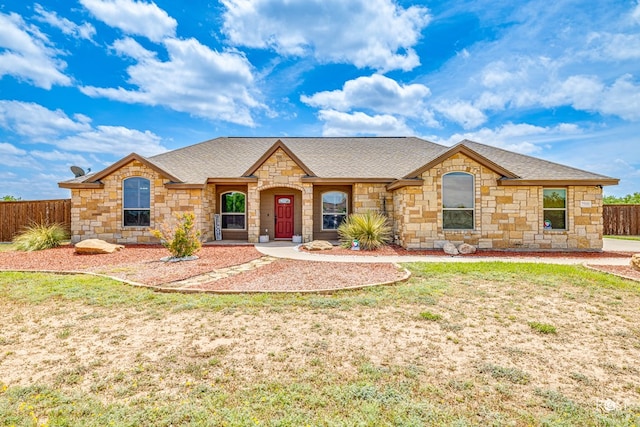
[
  {"x": 39, "y": 236},
  {"x": 370, "y": 229}
]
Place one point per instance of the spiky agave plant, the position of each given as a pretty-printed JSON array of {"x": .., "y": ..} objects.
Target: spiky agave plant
[
  {"x": 41, "y": 236},
  {"x": 369, "y": 228}
]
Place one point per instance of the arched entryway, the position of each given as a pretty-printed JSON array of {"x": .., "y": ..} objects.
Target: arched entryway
[{"x": 280, "y": 212}]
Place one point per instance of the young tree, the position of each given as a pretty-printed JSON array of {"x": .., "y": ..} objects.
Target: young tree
[{"x": 9, "y": 198}]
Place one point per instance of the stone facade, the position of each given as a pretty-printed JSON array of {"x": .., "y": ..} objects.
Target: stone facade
[
  {"x": 505, "y": 216},
  {"x": 97, "y": 212},
  {"x": 279, "y": 170},
  {"x": 371, "y": 197}
]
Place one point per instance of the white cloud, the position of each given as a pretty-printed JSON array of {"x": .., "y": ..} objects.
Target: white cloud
[
  {"x": 60, "y": 156},
  {"x": 195, "y": 80},
  {"x": 607, "y": 46},
  {"x": 521, "y": 138},
  {"x": 41, "y": 125},
  {"x": 376, "y": 93},
  {"x": 344, "y": 124},
  {"x": 635, "y": 14},
  {"x": 37, "y": 122},
  {"x": 113, "y": 140},
  {"x": 7, "y": 149},
  {"x": 131, "y": 48},
  {"x": 367, "y": 33},
  {"x": 133, "y": 17},
  {"x": 84, "y": 31},
  {"x": 588, "y": 93},
  {"x": 27, "y": 54},
  {"x": 461, "y": 112}
]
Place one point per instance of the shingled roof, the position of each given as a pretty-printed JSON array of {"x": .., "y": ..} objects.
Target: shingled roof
[{"x": 349, "y": 158}]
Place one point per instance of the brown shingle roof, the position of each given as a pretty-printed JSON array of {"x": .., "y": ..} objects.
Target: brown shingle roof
[
  {"x": 381, "y": 157},
  {"x": 350, "y": 158},
  {"x": 531, "y": 168}
]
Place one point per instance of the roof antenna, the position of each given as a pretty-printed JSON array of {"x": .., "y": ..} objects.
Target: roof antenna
[{"x": 77, "y": 171}]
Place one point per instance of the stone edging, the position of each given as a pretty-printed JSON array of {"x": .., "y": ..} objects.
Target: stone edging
[
  {"x": 623, "y": 276},
  {"x": 404, "y": 278}
]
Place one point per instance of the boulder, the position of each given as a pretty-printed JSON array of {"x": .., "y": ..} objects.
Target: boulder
[
  {"x": 635, "y": 261},
  {"x": 450, "y": 249},
  {"x": 466, "y": 249},
  {"x": 96, "y": 246},
  {"x": 318, "y": 245}
]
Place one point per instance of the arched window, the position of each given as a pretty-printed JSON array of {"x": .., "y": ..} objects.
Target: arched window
[
  {"x": 137, "y": 202},
  {"x": 457, "y": 201},
  {"x": 334, "y": 209},
  {"x": 233, "y": 210}
]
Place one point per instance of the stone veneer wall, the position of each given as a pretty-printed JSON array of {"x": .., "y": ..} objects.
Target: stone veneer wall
[
  {"x": 97, "y": 213},
  {"x": 505, "y": 216},
  {"x": 209, "y": 201},
  {"x": 279, "y": 170},
  {"x": 369, "y": 197}
]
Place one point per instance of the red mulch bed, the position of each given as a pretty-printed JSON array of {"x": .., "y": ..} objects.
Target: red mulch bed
[
  {"x": 296, "y": 276},
  {"x": 399, "y": 250},
  {"x": 137, "y": 263},
  {"x": 625, "y": 271}
]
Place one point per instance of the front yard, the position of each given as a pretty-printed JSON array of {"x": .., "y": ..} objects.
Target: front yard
[{"x": 459, "y": 344}]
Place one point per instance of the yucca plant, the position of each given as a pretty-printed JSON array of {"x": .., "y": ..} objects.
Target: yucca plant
[
  {"x": 36, "y": 237},
  {"x": 370, "y": 229}
]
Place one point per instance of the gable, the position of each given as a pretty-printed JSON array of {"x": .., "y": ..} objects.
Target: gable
[
  {"x": 467, "y": 152},
  {"x": 277, "y": 151}
]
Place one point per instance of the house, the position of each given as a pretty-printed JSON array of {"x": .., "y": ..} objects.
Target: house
[{"x": 283, "y": 187}]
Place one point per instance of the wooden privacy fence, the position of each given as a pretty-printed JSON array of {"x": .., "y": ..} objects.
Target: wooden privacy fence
[
  {"x": 16, "y": 215},
  {"x": 621, "y": 220}
]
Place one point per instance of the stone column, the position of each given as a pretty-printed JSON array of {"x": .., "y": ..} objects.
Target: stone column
[{"x": 253, "y": 213}]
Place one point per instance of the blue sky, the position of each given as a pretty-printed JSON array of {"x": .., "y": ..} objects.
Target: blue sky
[{"x": 87, "y": 82}]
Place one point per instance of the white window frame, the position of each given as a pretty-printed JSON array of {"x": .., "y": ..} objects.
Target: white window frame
[
  {"x": 473, "y": 201},
  {"x": 322, "y": 213},
  {"x": 223, "y": 214},
  {"x": 125, "y": 209}
]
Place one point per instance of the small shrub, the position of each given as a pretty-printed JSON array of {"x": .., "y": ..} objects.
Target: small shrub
[
  {"x": 37, "y": 237},
  {"x": 543, "y": 328},
  {"x": 370, "y": 229},
  {"x": 183, "y": 240},
  {"x": 427, "y": 315}
]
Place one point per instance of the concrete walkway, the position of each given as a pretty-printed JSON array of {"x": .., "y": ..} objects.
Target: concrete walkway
[{"x": 284, "y": 249}]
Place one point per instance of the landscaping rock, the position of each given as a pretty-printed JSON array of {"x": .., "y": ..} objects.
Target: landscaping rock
[
  {"x": 635, "y": 261},
  {"x": 450, "y": 249},
  {"x": 96, "y": 246},
  {"x": 439, "y": 244},
  {"x": 318, "y": 245},
  {"x": 466, "y": 249}
]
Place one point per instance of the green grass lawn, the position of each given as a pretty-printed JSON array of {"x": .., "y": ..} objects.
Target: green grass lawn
[{"x": 458, "y": 345}]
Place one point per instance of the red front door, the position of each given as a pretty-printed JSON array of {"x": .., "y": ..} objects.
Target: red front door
[{"x": 284, "y": 217}]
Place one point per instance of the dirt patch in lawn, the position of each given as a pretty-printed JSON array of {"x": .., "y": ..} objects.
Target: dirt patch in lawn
[{"x": 476, "y": 355}]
